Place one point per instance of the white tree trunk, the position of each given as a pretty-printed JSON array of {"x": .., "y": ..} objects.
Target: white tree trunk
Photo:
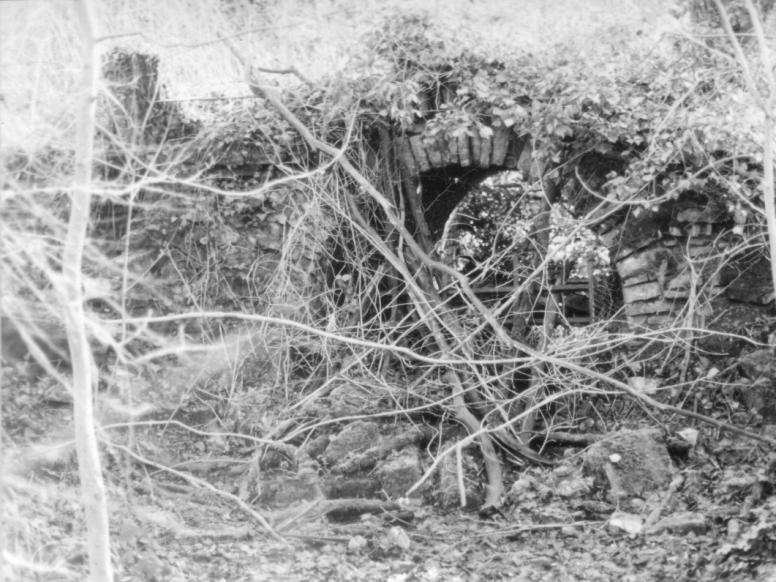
[{"x": 89, "y": 467}]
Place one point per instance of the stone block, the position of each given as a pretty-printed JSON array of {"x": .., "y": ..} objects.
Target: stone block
[
  {"x": 419, "y": 153},
  {"x": 345, "y": 487},
  {"x": 449, "y": 488},
  {"x": 485, "y": 149},
  {"x": 451, "y": 157},
  {"x": 642, "y": 292},
  {"x": 354, "y": 438},
  {"x": 434, "y": 150},
  {"x": 464, "y": 154},
  {"x": 629, "y": 463},
  {"x": 476, "y": 148},
  {"x": 500, "y": 145},
  {"x": 400, "y": 471}
]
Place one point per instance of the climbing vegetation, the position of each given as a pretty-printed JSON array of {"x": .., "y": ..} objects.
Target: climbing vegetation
[{"x": 269, "y": 262}]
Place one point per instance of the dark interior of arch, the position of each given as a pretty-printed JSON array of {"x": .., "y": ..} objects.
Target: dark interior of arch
[{"x": 443, "y": 189}]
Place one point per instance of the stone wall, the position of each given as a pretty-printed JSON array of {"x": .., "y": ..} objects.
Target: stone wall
[{"x": 675, "y": 262}]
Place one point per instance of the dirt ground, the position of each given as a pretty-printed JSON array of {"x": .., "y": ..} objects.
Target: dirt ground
[{"x": 188, "y": 523}]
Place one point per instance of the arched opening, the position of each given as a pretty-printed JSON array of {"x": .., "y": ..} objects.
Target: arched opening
[
  {"x": 443, "y": 190},
  {"x": 501, "y": 231}
]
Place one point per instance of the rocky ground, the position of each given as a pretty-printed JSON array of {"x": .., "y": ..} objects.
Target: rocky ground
[{"x": 189, "y": 499}]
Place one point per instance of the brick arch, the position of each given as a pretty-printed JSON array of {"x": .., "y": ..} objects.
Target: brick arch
[
  {"x": 446, "y": 169},
  {"x": 656, "y": 256}
]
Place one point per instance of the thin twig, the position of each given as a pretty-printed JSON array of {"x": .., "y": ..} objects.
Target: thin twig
[{"x": 202, "y": 484}]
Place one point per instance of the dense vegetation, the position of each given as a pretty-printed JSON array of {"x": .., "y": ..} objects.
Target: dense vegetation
[{"x": 260, "y": 281}]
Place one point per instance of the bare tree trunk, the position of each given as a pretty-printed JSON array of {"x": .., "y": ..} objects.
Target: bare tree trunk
[
  {"x": 766, "y": 103},
  {"x": 769, "y": 192},
  {"x": 89, "y": 467}
]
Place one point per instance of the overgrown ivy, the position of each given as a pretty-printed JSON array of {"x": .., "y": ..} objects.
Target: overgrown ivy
[
  {"x": 675, "y": 119},
  {"x": 656, "y": 122}
]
